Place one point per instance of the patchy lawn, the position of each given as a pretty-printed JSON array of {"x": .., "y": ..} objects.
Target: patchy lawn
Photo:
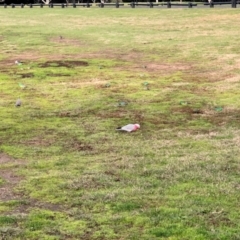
[{"x": 65, "y": 173}]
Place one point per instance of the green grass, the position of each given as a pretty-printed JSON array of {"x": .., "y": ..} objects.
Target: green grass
[{"x": 74, "y": 176}]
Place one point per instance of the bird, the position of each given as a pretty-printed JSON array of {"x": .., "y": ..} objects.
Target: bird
[
  {"x": 129, "y": 127},
  {"x": 18, "y": 103},
  {"x": 18, "y": 62}
]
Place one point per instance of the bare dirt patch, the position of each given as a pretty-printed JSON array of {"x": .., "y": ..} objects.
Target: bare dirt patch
[
  {"x": 10, "y": 178},
  {"x": 120, "y": 113},
  {"x": 187, "y": 110},
  {"x": 31, "y": 57},
  {"x": 26, "y": 75},
  {"x": 68, "y": 114},
  {"x": 7, "y": 63},
  {"x": 167, "y": 67},
  {"x": 77, "y": 84},
  {"x": 5, "y": 158},
  {"x": 58, "y": 75},
  {"x": 140, "y": 66},
  {"x": 227, "y": 116},
  {"x": 211, "y": 114},
  {"x": 234, "y": 79},
  {"x": 135, "y": 58},
  {"x": 77, "y": 145},
  {"x": 62, "y": 63},
  {"x": 39, "y": 142},
  {"x": 11, "y": 181},
  {"x": 28, "y": 204}
]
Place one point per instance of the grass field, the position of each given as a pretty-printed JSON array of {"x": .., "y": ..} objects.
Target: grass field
[{"x": 65, "y": 173}]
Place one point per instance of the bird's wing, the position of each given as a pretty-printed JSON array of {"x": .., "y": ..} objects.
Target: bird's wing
[{"x": 128, "y": 128}]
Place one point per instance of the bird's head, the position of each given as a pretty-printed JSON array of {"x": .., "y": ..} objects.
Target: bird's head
[{"x": 137, "y": 125}]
